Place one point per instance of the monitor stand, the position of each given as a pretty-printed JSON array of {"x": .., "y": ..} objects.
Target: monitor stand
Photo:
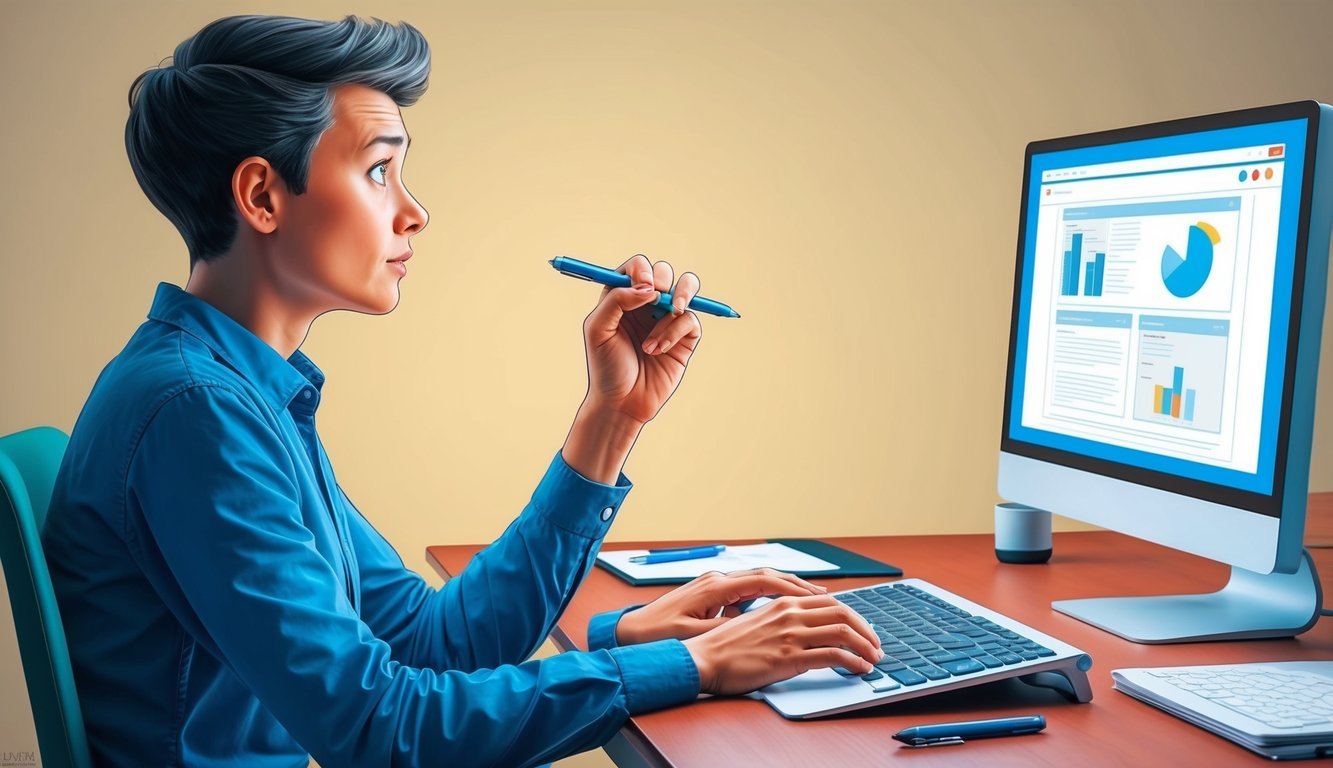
[{"x": 1249, "y": 607}]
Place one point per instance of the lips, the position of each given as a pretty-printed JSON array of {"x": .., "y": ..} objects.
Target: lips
[{"x": 401, "y": 259}]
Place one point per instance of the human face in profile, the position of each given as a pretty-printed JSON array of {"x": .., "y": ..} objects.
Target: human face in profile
[{"x": 345, "y": 242}]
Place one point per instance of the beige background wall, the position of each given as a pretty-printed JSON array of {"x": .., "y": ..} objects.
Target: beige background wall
[{"x": 823, "y": 166}]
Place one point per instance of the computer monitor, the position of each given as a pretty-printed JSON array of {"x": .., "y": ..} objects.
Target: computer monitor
[{"x": 1168, "y": 304}]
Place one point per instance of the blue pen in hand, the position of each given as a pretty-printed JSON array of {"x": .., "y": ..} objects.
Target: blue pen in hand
[
  {"x": 957, "y": 733},
  {"x": 609, "y": 277},
  {"x": 682, "y": 553}
]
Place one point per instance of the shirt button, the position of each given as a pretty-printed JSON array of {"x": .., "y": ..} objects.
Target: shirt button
[
  {"x": 606, "y": 514},
  {"x": 306, "y": 394}
]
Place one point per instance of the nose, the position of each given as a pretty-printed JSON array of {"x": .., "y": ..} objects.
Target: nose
[{"x": 411, "y": 218}]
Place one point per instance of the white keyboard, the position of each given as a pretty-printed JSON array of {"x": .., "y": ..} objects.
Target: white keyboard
[
  {"x": 1278, "y": 709},
  {"x": 1277, "y": 698}
]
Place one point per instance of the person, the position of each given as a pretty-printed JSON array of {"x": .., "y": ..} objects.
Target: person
[{"x": 224, "y": 600}]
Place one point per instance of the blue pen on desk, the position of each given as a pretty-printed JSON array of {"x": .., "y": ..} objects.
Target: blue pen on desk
[
  {"x": 609, "y": 277},
  {"x": 957, "y": 733},
  {"x": 681, "y": 553}
]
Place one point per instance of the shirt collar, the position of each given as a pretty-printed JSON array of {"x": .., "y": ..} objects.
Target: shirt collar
[{"x": 278, "y": 380}]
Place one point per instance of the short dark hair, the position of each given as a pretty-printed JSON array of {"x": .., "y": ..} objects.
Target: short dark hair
[{"x": 254, "y": 85}]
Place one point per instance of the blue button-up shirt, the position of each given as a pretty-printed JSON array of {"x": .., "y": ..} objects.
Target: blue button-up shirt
[{"x": 226, "y": 604}]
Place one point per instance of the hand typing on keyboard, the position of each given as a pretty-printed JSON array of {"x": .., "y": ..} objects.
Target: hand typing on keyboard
[
  {"x": 707, "y": 602},
  {"x": 782, "y": 639}
]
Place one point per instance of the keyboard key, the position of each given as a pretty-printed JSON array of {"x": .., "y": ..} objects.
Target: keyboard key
[
  {"x": 873, "y": 674},
  {"x": 1008, "y": 658},
  {"x": 845, "y": 672},
  {"x": 890, "y": 665},
  {"x": 884, "y": 684},
  {"x": 933, "y": 672},
  {"x": 945, "y": 656},
  {"x": 908, "y": 677},
  {"x": 989, "y": 661},
  {"x": 1283, "y": 723},
  {"x": 1310, "y": 719},
  {"x": 956, "y": 641},
  {"x": 963, "y": 666}
]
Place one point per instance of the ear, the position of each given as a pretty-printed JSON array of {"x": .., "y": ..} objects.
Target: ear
[{"x": 257, "y": 191}]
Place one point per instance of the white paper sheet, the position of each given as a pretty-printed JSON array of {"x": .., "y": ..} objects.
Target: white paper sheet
[{"x": 737, "y": 558}]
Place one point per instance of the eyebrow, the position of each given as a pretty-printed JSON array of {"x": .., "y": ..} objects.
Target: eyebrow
[{"x": 391, "y": 140}]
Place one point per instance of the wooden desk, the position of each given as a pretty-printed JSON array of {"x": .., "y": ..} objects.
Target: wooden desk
[{"x": 1112, "y": 730}]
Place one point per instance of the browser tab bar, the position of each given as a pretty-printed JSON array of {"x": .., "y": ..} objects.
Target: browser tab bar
[{"x": 1172, "y": 163}]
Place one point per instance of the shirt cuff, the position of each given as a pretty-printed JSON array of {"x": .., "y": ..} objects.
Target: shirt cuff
[
  {"x": 602, "y": 629},
  {"x": 576, "y": 504},
  {"x": 656, "y": 675}
]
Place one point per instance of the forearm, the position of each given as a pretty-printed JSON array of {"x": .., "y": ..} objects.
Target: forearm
[
  {"x": 504, "y": 603},
  {"x": 527, "y": 714},
  {"x": 599, "y": 442}
]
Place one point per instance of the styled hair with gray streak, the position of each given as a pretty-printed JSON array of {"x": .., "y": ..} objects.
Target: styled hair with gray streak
[{"x": 254, "y": 86}]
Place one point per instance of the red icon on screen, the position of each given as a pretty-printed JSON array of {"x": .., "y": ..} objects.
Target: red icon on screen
[{"x": 1254, "y": 176}]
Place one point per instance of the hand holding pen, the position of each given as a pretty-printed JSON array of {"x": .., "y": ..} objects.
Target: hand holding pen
[
  {"x": 613, "y": 279},
  {"x": 635, "y": 359}
]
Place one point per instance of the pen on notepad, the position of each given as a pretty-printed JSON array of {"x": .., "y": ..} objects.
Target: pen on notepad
[
  {"x": 609, "y": 277},
  {"x": 681, "y": 553}
]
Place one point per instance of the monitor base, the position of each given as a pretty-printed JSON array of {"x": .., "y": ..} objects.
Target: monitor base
[{"x": 1249, "y": 607}]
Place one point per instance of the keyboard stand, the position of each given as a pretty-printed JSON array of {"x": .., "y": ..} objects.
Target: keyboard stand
[{"x": 1070, "y": 682}]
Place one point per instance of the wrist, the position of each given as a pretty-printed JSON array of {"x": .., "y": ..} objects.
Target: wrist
[
  {"x": 698, "y": 648},
  {"x": 626, "y": 630},
  {"x": 599, "y": 442}
]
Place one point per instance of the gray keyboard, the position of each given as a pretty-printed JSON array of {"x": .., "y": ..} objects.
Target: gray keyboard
[{"x": 927, "y": 638}]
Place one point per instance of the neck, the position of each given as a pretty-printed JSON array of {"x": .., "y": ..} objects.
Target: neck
[{"x": 233, "y": 286}]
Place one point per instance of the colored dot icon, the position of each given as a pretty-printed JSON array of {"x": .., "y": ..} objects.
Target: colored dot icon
[
  {"x": 1268, "y": 173},
  {"x": 1254, "y": 176},
  {"x": 1244, "y": 175}
]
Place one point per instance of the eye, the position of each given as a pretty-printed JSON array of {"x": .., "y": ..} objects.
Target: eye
[{"x": 378, "y": 170}]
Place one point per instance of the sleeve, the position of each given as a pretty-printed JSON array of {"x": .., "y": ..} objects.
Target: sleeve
[
  {"x": 602, "y": 628},
  {"x": 501, "y": 608},
  {"x": 235, "y": 564}
]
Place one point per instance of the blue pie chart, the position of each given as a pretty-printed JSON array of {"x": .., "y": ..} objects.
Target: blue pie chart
[{"x": 1185, "y": 275}]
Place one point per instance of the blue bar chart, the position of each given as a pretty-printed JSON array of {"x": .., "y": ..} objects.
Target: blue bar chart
[{"x": 1092, "y": 271}]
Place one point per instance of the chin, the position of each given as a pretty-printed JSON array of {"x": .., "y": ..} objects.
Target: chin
[
  {"x": 388, "y": 306},
  {"x": 379, "y": 305}
]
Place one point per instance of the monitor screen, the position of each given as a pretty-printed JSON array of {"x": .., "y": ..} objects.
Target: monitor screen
[
  {"x": 1168, "y": 304},
  {"x": 1154, "y": 307}
]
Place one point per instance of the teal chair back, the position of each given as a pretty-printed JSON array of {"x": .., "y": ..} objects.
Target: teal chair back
[{"x": 28, "y": 464}]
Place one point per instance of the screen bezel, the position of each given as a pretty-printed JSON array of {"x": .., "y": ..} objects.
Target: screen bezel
[{"x": 1269, "y": 504}]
